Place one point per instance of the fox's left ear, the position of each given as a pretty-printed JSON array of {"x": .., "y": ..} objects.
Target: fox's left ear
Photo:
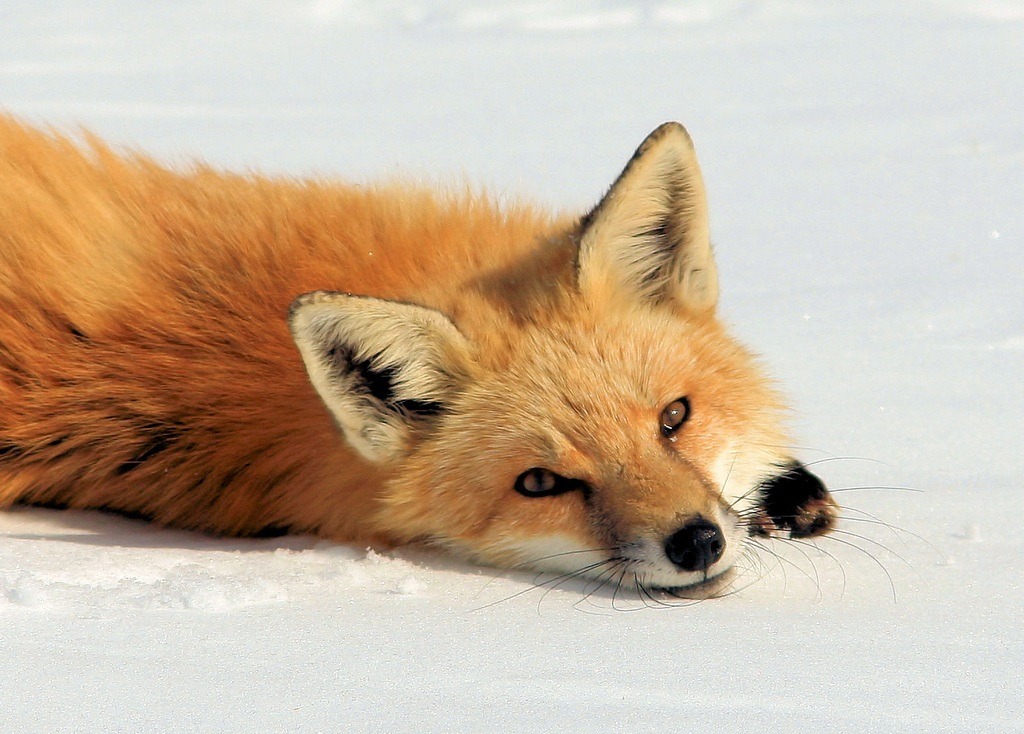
[
  {"x": 381, "y": 367},
  {"x": 649, "y": 237}
]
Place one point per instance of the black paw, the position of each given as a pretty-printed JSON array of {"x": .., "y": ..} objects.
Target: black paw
[{"x": 796, "y": 501}]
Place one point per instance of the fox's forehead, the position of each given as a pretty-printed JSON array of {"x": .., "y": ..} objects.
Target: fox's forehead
[
  {"x": 572, "y": 374},
  {"x": 594, "y": 382},
  {"x": 594, "y": 357}
]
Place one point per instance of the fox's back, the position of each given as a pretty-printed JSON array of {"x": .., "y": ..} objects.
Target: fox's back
[{"x": 78, "y": 221}]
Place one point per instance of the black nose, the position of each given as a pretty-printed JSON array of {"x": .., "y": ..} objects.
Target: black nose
[{"x": 695, "y": 546}]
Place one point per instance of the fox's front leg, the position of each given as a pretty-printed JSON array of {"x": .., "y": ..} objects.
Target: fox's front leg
[{"x": 795, "y": 501}]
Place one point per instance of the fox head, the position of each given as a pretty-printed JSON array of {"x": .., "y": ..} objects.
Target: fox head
[{"x": 586, "y": 413}]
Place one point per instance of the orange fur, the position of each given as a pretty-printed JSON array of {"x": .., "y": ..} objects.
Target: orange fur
[{"x": 146, "y": 364}]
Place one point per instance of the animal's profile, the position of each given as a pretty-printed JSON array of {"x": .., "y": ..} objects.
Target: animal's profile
[{"x": 240, "y": 354}]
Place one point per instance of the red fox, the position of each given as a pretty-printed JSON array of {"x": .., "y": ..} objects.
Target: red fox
[{"x": 244, "y": 355}]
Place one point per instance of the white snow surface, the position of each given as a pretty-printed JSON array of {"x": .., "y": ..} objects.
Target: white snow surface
[{"x": 865, "y": 168}]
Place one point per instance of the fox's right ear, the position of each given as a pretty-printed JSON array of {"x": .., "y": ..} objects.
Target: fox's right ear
[
  {"x": 648, "y": 238},
  {"x": 382, "y": 368}
]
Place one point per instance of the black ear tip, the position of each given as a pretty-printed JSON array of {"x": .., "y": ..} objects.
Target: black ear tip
[
  {"x": 295, "y": 305},
  {"x": 312, "y": 298},
  {"x": 669, "y": 129},
  {"x": 304, "y": 299}
]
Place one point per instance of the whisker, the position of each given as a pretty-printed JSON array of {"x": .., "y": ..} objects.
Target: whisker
[
  {"x": 782, "y": 559},
  {"x": 790, "y": 448},
  {"x": 599, "y": 583},
  {"x": 558, "y": 579},
  {"x": 896, "y": 530},
  {"x": 555, "y": 583},
  {"x": 725, "y": 482},
  {"x": 642, "y": 593},
  {"x": 819, "y": 549},
  {"x": 765, "y": 568},
  {"x": 649, "y": 593},
  {"x": 810, "y": 561},
  {"x": 892, "y": 585},
  {"x": 848, "y": 458},
  {"x": 727, "y": 591},
  {"x": 878, "y": 488},
  {"x": 618, "y": 586},
  {"x": 539, "y": 559},
  {"x": 732, "y": 590},
  {"x": 745, "y": 495},
  {"x": 684, "y": 601},
  {"x": 875, "y": 543},
  {"x": 750, "y": 553},
  {"x": 529, "y": 563},
  {"x": 870, "y": 519}
]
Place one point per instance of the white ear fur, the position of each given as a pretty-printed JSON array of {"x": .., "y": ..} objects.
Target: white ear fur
[
  {"x": 649, "y": 235},
  {"x": 380, "y": 366}
]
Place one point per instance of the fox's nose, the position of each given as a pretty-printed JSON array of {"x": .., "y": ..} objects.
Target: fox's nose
[{"x": 695, "y": 546}]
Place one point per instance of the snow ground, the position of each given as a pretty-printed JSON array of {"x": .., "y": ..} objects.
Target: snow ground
[{"x": 865, "y": 165}]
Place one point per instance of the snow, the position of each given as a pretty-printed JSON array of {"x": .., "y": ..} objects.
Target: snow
[{"x": 865, "y": 164}]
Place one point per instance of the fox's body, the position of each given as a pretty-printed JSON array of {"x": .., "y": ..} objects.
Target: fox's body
[{"x": 148, "y": 363}]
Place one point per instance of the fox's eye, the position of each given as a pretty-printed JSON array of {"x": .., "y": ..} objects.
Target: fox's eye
[
  {"x": 538, "y": 482},
  {"x": 674, "y": 416}
]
